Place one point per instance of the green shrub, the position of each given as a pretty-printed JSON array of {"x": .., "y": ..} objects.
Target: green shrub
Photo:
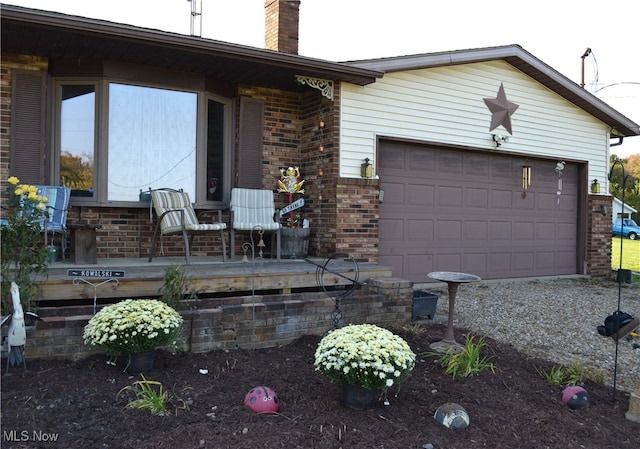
[
  {"x": 469, "y": 361},
  {"x": 575, "y": 374},
  {"x": 176, "y": 286},
  {"x": 147, "y": 397}
]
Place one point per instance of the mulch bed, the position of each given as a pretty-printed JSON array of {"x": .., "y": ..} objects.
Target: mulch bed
[{"x": 78, "y": 405}]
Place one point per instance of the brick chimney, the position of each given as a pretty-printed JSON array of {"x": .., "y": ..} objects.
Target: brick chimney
[{"x": 281, "y": 25}]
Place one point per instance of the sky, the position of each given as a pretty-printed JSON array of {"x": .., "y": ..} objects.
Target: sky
[{"x": 557, "y": 32}]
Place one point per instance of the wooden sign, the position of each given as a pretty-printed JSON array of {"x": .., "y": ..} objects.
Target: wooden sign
[
  {"x": 93, "y": 273},
  {"x": 297, "y": 204}
]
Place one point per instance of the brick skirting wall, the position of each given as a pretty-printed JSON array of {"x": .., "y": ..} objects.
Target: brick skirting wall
[{"x": 248, "y": 322}]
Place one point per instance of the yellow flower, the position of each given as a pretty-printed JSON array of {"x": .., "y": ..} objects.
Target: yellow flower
[{"x": 13, "y": 180}]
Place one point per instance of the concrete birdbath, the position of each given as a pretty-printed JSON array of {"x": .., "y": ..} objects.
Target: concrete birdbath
[{"x": 453, "y": 280}]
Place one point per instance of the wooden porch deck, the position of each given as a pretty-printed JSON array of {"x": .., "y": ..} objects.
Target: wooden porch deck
[{"x": 112, "y": 279}]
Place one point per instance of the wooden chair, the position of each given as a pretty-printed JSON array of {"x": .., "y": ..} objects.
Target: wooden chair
[
  {"x": 253, "y": 209},
  {"x": 57, "y": 209},
  {"x": 175, "y": 215}
]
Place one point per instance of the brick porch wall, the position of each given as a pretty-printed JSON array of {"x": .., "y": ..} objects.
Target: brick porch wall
[
  {"x": 240, "y": 322},
  {"x": 599, "y": 236}
]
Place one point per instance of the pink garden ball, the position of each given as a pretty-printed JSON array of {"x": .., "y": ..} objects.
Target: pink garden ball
[
  {"x": 575, "y": 397},
  {"x": 262, "y": 400}
]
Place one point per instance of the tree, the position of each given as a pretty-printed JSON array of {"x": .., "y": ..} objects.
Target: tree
[{"x": 76, "y": 171}]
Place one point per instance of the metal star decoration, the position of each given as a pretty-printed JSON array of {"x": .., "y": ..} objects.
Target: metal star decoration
[{"x": 501, "y": 110}]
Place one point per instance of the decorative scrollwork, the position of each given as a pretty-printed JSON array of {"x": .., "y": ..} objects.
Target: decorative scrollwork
[{"x": 323, "y": 85}]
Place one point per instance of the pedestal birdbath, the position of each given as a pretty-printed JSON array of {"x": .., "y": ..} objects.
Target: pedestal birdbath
[{"x": 448, "y": 343}]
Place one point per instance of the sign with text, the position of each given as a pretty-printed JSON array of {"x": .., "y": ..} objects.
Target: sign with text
[
  {"x": 297, "y": 204},
  {"x": 93, "y": 273}
]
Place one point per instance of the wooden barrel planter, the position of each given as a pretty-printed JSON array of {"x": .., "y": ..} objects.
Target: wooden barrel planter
[{"x": 295, "y": 242}]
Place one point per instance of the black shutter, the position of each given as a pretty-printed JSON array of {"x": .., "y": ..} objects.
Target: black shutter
[
  {"x": 250, "y": 143},
  {"x": 27, "y": 126}
]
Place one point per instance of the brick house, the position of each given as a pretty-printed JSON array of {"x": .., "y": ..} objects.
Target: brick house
[{"x": 158, "y": 109}]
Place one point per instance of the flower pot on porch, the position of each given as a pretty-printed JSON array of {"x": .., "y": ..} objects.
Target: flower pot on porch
[{"x": 295, "y": 242}]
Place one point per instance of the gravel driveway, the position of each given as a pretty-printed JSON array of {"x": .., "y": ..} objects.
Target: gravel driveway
[{"x": 550, "y": 318}]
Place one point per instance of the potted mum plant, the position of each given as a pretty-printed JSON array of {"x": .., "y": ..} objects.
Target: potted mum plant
[
  {"x": 368, "y": 360},
  {"x": 295, "y": 232},
  {"x": 134, "y": 328},
  {"x": 23, "y": 257}
]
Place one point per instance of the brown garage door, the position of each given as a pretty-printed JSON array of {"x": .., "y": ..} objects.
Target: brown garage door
[{"x": 453, "y": 210}]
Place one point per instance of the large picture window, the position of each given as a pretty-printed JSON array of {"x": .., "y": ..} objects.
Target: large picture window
[
  {"x": 152, "y": 141},
  {"x": 118, "y": 140}
]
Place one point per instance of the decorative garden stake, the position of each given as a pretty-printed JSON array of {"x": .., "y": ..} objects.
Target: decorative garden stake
[
  {"x": 290, "y": 183},
  {"x": 17, "y": 334}
]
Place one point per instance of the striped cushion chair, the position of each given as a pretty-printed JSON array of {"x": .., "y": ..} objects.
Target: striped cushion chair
[
  {"x": 176, "y": 216},
  {"x": 57, "y": 209},
  {"x": 253, "y": 209}
]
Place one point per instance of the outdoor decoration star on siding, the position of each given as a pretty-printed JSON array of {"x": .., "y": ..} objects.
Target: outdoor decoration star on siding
[{"x": 501, "y": 110}]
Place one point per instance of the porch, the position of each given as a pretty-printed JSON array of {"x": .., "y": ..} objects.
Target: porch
[
  {"x": 109, "y": 280},
  {"x": 239, "y": 305}
]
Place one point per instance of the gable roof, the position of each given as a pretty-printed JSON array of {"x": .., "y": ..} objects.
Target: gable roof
[
  {"x": 60, "y": 36},
  {"x": 521, "y": 60},
  {"x": 627, "y": 207}
]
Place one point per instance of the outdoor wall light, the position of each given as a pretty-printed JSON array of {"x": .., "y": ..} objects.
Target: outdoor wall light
[
  {"x": 499, "y": 139},
  {"x": 595, "y": 186},
  {"x": 366, "y": 169},
  {"x": 603, "y": 209}
]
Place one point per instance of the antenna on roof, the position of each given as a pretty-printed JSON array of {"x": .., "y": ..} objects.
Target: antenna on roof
[{"x": 196, "y": 15}]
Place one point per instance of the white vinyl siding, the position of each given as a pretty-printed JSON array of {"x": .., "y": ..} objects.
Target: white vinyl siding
[{"x": 445, "y": 105}]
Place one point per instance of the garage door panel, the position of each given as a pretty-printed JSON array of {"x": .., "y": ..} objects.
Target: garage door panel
[
  {"x": 475, "y": 230},
  {"x": 477, "y": 198},
  {"x": 524, "y": 230},
  {"x": 474, "y": 263},
  {"x": 448, "y": 262},
  {"x": 523, "y": 261},
  {"x": 450, "y": 162},
  {"x": 419, "y": 265},
  {"x": 501, "y": 199},
  {"x": 420, "y": 230},
  {"x": 449, "y": 196},
  {"x": 449, "y": 230},
  {"x": 394, "y": 193},
  {"x": 499, "y": 262},
  {"x": 456, "y": 210},
  {"x": 546, "y": 201},
  {"x": 391, "y": 229},
  {"x": 501, "y": 169},
  {"x": 420, "y": 195},
  {"x": 500, "y": 230},
  {"x": 566, "y": 260},
  {"x": 476, "y": 166},
  {"x": 421, "y": 160},
  {"x": 545, "y": 231},
  {"x": 566, "y": 231},
  {"x": 545, "y": 259}
]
